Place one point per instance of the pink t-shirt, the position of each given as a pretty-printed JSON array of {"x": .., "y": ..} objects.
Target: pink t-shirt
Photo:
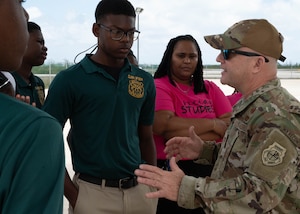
[
  {"x": 234, "y": 98},
  {"x": 188, "y": 105}
]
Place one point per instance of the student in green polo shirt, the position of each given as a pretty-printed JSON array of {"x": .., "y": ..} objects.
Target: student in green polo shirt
[
  {"x": 31, "y": 141},
  {"x": 29, "y": 84},
  {"x": 110, "y": 104}
]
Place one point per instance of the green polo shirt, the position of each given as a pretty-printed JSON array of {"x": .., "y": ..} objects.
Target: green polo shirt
[
  {"x": 104, "y": 116},
  {"x": 31, "y": 159},
  {"x": 35, "y": 89}
]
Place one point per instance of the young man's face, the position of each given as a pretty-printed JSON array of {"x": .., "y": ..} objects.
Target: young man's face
[
  {"x": 36, "y": 51},
  {"x": 14, "y": 34},
  {"x": 108, "y": 30}
]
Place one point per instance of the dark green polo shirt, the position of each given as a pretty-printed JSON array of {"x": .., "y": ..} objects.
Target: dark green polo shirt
[
  {"x": 35, "y": 89},
  {"x": 104, "y": 116},
  {"x": 32, "y": 165}
]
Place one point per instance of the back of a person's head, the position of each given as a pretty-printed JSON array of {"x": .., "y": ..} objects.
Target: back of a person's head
[
  {"x": 115, "y": 7},
  {"x": 132, "y": 59},
  {"x": 130, "y": 53},
  {"x": 33, "y": 26}
]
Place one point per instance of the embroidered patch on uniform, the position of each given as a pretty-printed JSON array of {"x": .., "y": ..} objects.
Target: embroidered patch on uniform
[
  {"x": 273, "y": 155},
  {"x": 41, "y": 95},
  {"x": 136, "y": 88}
]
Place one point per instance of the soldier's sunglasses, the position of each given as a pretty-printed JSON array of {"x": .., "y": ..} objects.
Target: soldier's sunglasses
[{"x": 226, "y": 53}]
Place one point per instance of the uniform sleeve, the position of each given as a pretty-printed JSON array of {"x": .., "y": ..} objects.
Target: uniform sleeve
[
  {"x": 271, "y": 170},
  {"x": 59, "y": 99},
  {"x": 209, "y": 153},
  {"x": 37, "y": 183}
]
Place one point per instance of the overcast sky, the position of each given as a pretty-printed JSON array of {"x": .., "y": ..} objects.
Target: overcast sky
[{"x": 66, "y": 24}]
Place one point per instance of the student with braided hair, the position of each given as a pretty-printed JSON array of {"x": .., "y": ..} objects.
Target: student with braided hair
[{"x": 183, "y": 99}]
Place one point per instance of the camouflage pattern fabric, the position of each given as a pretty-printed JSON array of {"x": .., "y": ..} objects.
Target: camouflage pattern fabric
[
  {"x": 257, "y": 170},
  {"x": 257, "y": 34}
]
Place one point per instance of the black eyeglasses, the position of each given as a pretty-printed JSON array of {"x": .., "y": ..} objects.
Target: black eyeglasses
[
  {"x": 227, "y": 52},
  {"x": 3, "y": 81},
  {"x": 118, "y": 34}
]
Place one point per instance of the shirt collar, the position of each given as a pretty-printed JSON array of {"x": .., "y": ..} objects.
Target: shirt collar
[
  {"x": 244, "y": 103},
  {"x": 90, "y": 67}
]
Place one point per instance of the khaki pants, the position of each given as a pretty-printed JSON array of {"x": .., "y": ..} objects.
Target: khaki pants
[{"x": 94, "y": 199}]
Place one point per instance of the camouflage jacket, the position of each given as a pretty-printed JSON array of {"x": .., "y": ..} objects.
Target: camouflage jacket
[{"x": 258, "y": 164}]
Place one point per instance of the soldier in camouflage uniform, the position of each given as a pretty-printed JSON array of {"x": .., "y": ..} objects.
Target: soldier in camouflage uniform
[{"x": 256, "y": 170}]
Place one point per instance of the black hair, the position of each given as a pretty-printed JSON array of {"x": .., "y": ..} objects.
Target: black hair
[
  {"x": 130, "y": 53},
  {"x": 165, "y": 64},
  {"x": 31, "y": 26},
  {"x": 116, "y": 7}
]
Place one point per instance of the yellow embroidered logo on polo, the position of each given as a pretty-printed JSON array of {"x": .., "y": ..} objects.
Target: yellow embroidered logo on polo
[
  {"x": 136, "y": 86},
  {"x": 41, "y": 94}
]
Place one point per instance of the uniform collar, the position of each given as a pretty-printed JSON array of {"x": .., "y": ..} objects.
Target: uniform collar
[
  {"x": 90, "y": 67},
  {"x": 21, "y": 82},
  {"x": 244, "y": 103}
]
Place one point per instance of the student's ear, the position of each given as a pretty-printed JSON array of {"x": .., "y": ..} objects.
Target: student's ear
[{"x": 96, "y": 30}]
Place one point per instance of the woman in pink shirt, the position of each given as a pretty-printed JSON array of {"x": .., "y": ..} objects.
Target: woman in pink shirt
[
  {"x": 234, "y": 97},
  {"x": 184, "y": 99}
]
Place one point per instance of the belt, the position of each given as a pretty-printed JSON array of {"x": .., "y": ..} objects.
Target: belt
[{"x": 124, "y": 183}]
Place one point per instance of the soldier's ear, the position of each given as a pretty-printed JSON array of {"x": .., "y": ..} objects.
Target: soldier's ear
[{"x": 258, "y": 63}]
